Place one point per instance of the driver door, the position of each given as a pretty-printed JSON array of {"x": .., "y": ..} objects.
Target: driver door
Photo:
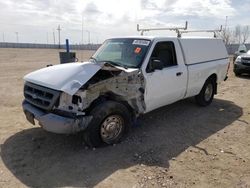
[{"x": 165, "y": 83}]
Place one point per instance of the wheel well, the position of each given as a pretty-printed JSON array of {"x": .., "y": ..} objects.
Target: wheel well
[
  {"x": 111, "y": 97},
  {"x": 213, "y": 77}
]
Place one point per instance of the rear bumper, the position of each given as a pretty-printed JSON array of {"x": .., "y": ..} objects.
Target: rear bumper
[{"x": 53, "y": 122}]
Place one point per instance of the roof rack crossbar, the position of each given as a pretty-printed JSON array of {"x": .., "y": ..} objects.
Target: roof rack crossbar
[
  {"x": 201, "y": 31},
  {"x": 176, "y": 29}
]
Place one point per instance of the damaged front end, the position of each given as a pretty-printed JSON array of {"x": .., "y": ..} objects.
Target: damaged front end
[
  {"x": 115, "y": 84},
  {"x": 60, "y": 110},
  {"x": 54, "y": 122}
]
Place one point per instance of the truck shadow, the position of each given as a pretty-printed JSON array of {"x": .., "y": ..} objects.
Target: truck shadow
[{"x": 41, "y": 159}]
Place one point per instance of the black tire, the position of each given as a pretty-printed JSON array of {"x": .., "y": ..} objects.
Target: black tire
[
  {"x": 202, "y": 99},
  {"x": 101, "y": 114},
  {"x": 236, "y": 73}
]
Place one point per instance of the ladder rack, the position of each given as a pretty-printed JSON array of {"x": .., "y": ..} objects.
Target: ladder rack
[
  {"x": 176, "y": 29},
  {"x": 202, "y": 31}
]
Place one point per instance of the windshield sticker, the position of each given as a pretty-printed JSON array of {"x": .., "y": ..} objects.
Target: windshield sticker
[
  {"x": 141, "y": 42},
  {"x": 137, "y": 50}
]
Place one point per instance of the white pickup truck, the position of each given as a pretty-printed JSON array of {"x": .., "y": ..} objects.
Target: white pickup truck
[{"x": 125, "y": 78}]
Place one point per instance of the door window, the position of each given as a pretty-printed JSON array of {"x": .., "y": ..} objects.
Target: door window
[{"x": 163, "y": 54}]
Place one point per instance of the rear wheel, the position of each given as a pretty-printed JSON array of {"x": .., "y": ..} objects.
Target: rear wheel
[
  {"x": 111, "y": 121},
  {"x": 206, "y": 95}
]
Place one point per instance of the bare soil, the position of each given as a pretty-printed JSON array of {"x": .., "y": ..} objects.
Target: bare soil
[{"x": 180, "y": 145}]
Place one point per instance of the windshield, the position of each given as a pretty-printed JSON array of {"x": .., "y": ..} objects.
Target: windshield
[
  {"x": 122, "y": 52},
  {"x": 242, "y": 47}
]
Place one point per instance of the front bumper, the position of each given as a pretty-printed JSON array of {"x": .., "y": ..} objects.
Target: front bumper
[
  {"x": 238, "y": 67},
  {"x": 53, "y": 122}
]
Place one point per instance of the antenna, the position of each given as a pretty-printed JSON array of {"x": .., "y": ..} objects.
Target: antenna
[
  {"x": 176, "y": 29},
  {"x": 201, "y": 31}
]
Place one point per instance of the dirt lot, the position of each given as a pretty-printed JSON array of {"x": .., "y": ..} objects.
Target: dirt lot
[{"x": 181, "y": 145}]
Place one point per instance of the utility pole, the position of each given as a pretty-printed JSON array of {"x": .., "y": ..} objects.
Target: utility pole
[
  {"x": 85, "y": 31},
  {"x": 47, "y": 38},
  {"x": 88, "y": 36},
  {"x": 82, "y": 28},
  {"x": 3, "y": 38},
  {"x": 226, "y": 23},
  {"x": 54, "y": 38},
  {"x": 81, "y": 45},
  {"x": 59, "y": 36},
  {"x": 17, "y": 40}
]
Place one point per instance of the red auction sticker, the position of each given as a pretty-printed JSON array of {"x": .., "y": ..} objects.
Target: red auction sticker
[{"x": 137, "y": 50}]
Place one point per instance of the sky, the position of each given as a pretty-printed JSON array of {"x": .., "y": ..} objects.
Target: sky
[{"x": 83, "y": 21}]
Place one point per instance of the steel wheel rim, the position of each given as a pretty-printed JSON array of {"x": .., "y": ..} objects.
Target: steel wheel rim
[
  {"x": 208, "y": 92},
  {"x": 111, "y": 128}
]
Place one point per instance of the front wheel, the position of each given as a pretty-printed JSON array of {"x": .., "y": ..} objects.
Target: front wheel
[
  {"x": 206, "y": 95},
  {"x": 236, "y": 73},
  {"x": 111, "y": 121}
]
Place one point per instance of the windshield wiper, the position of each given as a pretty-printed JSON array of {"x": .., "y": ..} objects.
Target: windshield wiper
[
  {"x": 95, "y": 60},
  {"x": 115, "y": 63}
]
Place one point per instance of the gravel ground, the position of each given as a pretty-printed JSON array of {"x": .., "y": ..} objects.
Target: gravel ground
[{"x": 180, "y": 145}]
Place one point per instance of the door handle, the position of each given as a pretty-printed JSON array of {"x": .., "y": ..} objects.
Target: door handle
[{"x": 179, "y": 73}]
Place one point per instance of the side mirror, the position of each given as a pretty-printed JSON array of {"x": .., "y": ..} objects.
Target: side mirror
[{"x": 156, "y": 64}]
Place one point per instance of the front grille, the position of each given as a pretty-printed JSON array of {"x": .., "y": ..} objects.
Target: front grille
[
  {"x": 246, "y": 64},
  {"x": 245, "y": 58},
  {"x": 42, "y": 97}
]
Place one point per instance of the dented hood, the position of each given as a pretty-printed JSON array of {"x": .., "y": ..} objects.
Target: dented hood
[
  {"x": 68, "y": 77},
  {"x": 64, "y": 77}
]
